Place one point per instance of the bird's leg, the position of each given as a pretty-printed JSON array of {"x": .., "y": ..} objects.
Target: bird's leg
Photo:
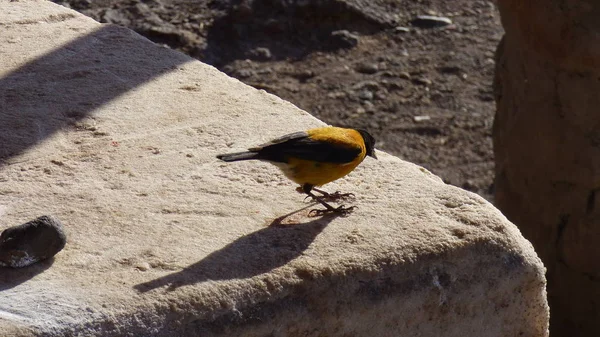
[
  {"x": 328, "y": 208},
  {"x": 334, "y": 196}
]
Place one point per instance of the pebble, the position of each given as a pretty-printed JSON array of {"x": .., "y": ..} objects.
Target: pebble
[
  {"x": 421, "y": 118},
  {"x": 422, "y": 81},
  {"x": 336, "y": 94},
  {"x": 391, "y": 86},
  {"x": 264, "y": 71},
  {"x": 244, "y": 73},
  {"x": 367, "y": 68},
  {"x": 304, "y": 75},
  {"x": 449, "y": 69},
  {"x": 430, "y": 21},
  {"x": 31, "y": 242},
  {"x": 143, "y": 266},
  {"x": 380, "y": 95},
  {"x": 260, "y": 53},
  {"x": 371, "y": 85},
  {"x": 369, "y": 107},
  {"x": 344, "y": 39},
  {"x": 365, "y": 95}
]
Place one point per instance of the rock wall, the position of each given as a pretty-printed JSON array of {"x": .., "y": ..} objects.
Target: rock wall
[{"x": 547, "y": 148}]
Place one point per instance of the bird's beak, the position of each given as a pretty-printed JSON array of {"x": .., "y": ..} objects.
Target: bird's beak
[{"x": 374, "y": 155}]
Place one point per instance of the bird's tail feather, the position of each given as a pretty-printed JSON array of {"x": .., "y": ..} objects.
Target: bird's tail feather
[{"x": 246, "y": 155}]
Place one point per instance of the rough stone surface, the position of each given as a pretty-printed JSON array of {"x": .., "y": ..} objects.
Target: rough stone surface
[
  {"x": 31, "y": 242},
  {"x": 117, "y": 136},
  {"x": 547, "y": 148}
]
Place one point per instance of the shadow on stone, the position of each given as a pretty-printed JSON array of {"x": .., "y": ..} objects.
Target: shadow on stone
[
  {"x": 11, "y": 277},
  {"x": 60, "y": 88},
  {"x": 251, "y": 255}
]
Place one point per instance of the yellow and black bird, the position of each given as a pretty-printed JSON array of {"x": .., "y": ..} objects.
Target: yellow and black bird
[{"x": 313, "y": 158}]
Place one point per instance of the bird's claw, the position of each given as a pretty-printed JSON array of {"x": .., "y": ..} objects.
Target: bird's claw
[
  {"x": 341, "y": 210},
  {"x": 333, "y": 196},
  {"x": 339, "y": 195}
]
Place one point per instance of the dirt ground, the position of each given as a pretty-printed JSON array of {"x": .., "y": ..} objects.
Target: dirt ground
[{"x": 422, "y": 87}]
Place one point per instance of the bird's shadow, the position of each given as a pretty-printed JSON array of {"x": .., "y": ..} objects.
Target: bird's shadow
[{"x": 253, "y": 254}]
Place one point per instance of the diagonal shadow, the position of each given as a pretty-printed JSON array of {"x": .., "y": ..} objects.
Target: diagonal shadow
[
  {"x": 63, "y": 86},
  {"x": 254, "y": 254}
]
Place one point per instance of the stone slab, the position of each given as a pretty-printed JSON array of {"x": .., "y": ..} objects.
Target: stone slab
[{"x": 117, "y": 137}]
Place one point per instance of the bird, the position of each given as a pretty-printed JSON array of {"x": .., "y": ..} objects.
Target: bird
[{"x": 313, "y": 158}]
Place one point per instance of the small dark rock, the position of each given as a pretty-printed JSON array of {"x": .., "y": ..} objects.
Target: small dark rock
[
  {"x": 422, "y": 81},
  {"x": 367, "y": 68},
  {"x": 370, "y": 85},
  {"x": 428, "y": 21},
  {"x": 260, "y": 54},
  {"x": 365, "y": 95},
  {"x": 344, "y": 39},
  {"x": 31, "y": 242},
  {"x": 449, "y": 69},
  {"x": 380, "y": 95},
  {"x": 394, "y": 86},
  {"x": 167, "y": 35},
  {"x": 243, "y": 73},
  {"x": 264, "y": 71},
  {"x": 303, "y": 75},
  {"x": 388, "y": 74},
  {"x": 404, "y": 75}
]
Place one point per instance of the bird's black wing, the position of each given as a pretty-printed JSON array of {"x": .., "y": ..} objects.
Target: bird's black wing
[
  {"x": 286, "y": 138},
  {"x": 300, "y": 145}
]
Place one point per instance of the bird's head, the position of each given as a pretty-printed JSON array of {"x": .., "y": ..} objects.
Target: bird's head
[{"x": 369, "y": 142}]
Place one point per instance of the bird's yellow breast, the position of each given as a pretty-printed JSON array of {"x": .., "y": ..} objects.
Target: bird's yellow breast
[{"x": 309, "y": 172}]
